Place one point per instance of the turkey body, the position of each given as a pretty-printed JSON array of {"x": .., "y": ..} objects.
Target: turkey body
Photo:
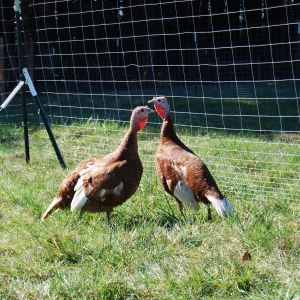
[
  {"x": 100, "y": 184},
  {"x": 181, "y": 172},
  {"x": 108, "y": 182}
]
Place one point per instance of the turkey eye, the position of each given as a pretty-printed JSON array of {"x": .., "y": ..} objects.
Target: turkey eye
[
  {"x": 142, "y": 110},
  {"x": 158, "y": 100}
]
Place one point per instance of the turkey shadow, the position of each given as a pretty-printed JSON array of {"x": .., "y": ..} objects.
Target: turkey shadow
[{"x": 165, "y": 220}]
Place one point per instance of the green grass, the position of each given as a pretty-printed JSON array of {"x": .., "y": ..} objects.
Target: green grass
[{"x": 150, "y": 252}]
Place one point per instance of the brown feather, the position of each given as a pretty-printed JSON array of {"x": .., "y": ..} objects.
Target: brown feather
[
  {"x": 108, "y": 181},
  {"x": 173, "y": 156},
  {"x": 122, "y": 165}
]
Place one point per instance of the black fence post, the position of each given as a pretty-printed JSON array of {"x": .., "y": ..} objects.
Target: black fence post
[
  {"x": 17, "y": 8},
  {"x": 24, "y": 76},
  {"x": 43, "y": 116}
]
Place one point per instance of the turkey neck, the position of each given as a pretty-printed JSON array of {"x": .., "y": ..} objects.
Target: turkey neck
[
  {"x": 168, "y": 134},
  {"x": 129, "y": 143},
  {"x": 167, "y": 131}
]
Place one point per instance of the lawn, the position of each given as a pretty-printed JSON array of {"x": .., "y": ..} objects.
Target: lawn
[{"x": 149, "y": 251}]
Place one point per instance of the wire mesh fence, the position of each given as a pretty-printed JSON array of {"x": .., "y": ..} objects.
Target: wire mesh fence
[{"x": 229, "y": 68}]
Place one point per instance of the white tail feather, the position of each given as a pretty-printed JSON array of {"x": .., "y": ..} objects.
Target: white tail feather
[
  {"x": 51, "y": 208},
  {"x": 79, "y": 199},
  {"x": 79, "y": 184},
  {"x": 222, "y": 206},
  {"x": 185, "y": 195}
]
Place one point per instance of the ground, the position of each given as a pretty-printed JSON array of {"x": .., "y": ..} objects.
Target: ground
[{"x": 149, "y": 251}]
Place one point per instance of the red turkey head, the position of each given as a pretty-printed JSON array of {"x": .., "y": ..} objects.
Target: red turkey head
[
  {"x": 139, "y": 117},
  {"x": 161, "y": 105}
]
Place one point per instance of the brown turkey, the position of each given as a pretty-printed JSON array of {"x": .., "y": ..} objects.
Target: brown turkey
[
  {"x": 100, "y": 184},
  {"x": 180, "y": 171}
]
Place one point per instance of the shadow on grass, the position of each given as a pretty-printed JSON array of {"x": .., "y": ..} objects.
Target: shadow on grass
[{"x": 164, "y": 220}]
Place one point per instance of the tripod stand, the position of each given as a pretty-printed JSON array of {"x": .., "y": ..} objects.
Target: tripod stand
[
  {"x": 26, "y": 79},
  {"x": 33, "y": 92}
]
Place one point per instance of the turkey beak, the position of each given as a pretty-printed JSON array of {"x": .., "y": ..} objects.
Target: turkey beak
[
  {"x": 152, "y": 101},
  {"x": 150, "y": 111}
]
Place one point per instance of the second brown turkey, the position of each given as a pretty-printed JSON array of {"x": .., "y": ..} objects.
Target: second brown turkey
[{"x": 181, "y": 172}]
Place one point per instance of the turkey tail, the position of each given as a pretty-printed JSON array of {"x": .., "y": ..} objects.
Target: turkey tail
[
  {"x": 51, "y": 209},
  {"x": 222, "y": 206}
]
